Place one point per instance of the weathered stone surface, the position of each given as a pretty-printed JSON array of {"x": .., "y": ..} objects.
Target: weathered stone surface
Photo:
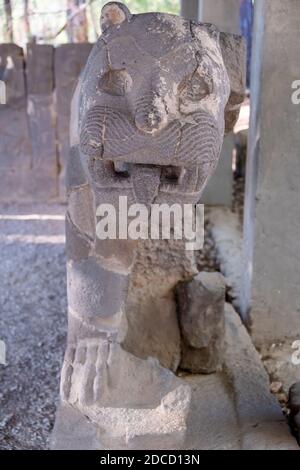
[
  {"x": 78, "y": 246},
  {"x": 201, "y": 305},
  {"x": 15, "y": 144},
  {"x": 225, "y": 14},
  {"x": 43, "y": 178},
  {"x": 151, "y": 308},
  {"x": 75, "y": 175},
  {"x": 294, "y": 406},
  {"x": 28, "y": 146},
  {"x": 94, "y": 292},
  {"x": 98, "y": 372},
  {"x": 73, "y": 431},
  {"x": 219, "y": 190},
  {"x": 229, "y": 410},
  {"x": 39, "y": 69},
  {"x": 148, "y": 119},
  {"x": 227, "y": 233},
  {"x": 81, "y": 211},
  {"x": 163, "y": 427},
  {"x": 69, "y": 61},
  {"x": 135, "y": 403},
  {"x": 30, "y": 156},
  {"x": 190, "y": 10},
  {"x": 234, "y": 47},
  {"x": 199, "y": 360}
]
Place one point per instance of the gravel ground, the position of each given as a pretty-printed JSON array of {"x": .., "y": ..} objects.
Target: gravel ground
[
  {"x": 238, "y": 197},
  {"x": 32, "y": 322},
  {"x": 277, "y": 359},
  {"x": 207, "y": 259}
]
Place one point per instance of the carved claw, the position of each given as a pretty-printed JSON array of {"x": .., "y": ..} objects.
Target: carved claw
[{"x": 83, "y": 372}]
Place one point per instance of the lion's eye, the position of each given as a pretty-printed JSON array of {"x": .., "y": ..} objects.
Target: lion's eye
[
  {"x": 116, "y": 82},
  {"x": 196, "y": 88}
]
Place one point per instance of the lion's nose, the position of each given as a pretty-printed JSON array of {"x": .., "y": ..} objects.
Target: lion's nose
[{"x": 150, "y": 114}]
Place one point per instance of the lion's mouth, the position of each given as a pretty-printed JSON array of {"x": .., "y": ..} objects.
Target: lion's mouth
[
  {"x": 169, "y": 174},
  {"x": 148, "y": 179},
  {"x": 177, "y": 160}
]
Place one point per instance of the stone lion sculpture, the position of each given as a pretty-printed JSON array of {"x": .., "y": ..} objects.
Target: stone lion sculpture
[{"x": 148, "y": 119}]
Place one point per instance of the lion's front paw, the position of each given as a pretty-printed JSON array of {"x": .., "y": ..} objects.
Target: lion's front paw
[{"x": 83, "y": 372}]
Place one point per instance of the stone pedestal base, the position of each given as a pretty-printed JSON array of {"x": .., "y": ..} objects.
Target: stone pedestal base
[
  {"x": 231, "y": 410},
  {"x": 72, "y": 431}
]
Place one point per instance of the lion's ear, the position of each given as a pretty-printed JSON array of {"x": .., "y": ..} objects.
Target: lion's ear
[
  {"x": 234, "y": 53},
  {"x": 113, "y": 14}
]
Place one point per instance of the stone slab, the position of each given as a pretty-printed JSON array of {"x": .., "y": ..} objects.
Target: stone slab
[
  {"x": 39, "y": 69},
  {"x": 225, "y": 14},
  {"x": 69, "y": 61},
  {"x": 15, "y": 145},
  {"x": 219, "y": 189},
  {"x": 28, "y": 147}
]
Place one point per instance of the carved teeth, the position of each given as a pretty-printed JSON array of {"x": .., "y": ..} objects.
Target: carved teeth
[
  {"x": 168, "y": 174},
  {"x": 122, "y": 168},
  {"x": 146, "y": 181},
  {"x": 173, "y": 174}
]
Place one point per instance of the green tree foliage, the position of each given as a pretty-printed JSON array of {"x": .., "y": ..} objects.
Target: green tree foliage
[
  {"x": 141, "y": 6},
  {"x": 46, "y": 21}
]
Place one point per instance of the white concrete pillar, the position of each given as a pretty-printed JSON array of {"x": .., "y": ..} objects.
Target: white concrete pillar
[{"x": 271, "y": 283}]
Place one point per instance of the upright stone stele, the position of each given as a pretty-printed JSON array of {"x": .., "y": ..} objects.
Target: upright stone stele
[
  {"x": 148, "y": 120},
  {"x": 43, "y": 180},
  {"x": 225, "y": 14},
  {"x": 15, "y": 144},
  {"x": 69, "y": 60}
]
